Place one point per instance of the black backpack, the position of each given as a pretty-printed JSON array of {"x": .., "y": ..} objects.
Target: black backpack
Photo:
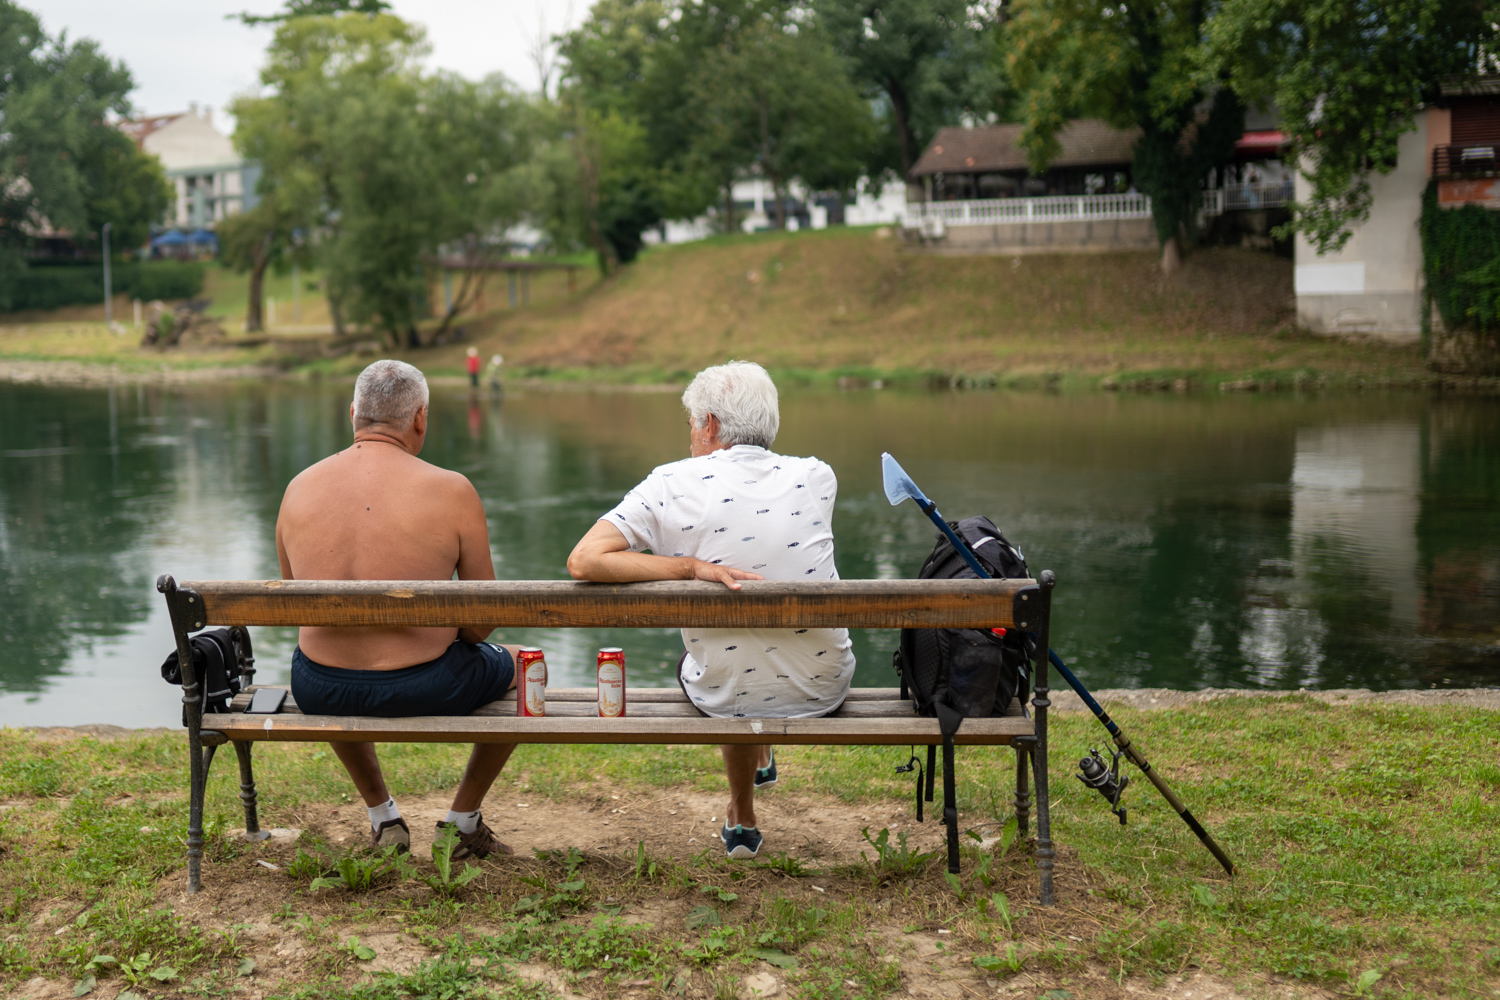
[
  {"x": 219, "y": 663},
  {"x": 956, "y": 674}
]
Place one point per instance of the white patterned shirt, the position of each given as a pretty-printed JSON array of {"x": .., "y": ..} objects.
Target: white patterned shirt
[{"x": 750, "y": 509}]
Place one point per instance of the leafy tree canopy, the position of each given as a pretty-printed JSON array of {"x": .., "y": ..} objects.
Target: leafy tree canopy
[
  {"x": 1346, "y": 78},
  {"x": 377, "y": 163},
  {"x": 63, "y": 166},
  {"x": 313, "y": 8},
  {"x": 925, "y": 59}
]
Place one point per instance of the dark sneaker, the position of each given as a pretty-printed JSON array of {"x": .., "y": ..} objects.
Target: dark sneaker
[
  {"x": 765, "y": 777},
  {"x": 480, "y": 844},
  {"x": 742, "y": 843},
  {"x": 392, "y": 833}
]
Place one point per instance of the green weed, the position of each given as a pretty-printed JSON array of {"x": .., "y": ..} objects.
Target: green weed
[{"x": 895, "y": 862}]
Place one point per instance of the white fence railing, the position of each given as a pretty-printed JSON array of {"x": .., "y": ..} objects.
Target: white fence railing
[
  {"x": 933, "y": 216},
  {"x": 999, "y": 211},
  {"x": 1253, "y": 196}
]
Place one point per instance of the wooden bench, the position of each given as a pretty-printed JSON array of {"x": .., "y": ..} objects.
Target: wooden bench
[{"x": 869, "y": 717}]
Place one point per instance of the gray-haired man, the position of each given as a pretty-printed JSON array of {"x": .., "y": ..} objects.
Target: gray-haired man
[
  {"x": 735, "y": 511},
  {"x": 375, "y": 511}
]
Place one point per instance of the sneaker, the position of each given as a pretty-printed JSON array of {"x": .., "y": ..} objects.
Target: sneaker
[
  {"x": 742, "y": 843},
  {"x": 393, "y": 832},
  {"x": 480, "y": 844},
  {"x": 765, "y": 777}
]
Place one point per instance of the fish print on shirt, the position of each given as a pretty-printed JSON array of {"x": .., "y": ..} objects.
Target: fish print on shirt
[{"x": 795, "y": 543}]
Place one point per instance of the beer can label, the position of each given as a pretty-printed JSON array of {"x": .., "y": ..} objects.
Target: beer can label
[
  {"x": 611, "y": 683},
  {"x": 531, "y": 687}
]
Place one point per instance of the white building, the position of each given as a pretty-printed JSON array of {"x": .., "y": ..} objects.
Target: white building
[
  {"x": 755, "y": 210},
  {"x": 209, "y": 177},
  {"x": 1374, "y": 284}
]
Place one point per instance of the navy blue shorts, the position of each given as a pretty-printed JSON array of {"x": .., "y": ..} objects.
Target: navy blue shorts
[{"x": 456, "y": 683}]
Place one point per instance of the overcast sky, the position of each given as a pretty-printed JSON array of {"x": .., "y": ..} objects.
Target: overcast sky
[{"x": 182, "y": 51}]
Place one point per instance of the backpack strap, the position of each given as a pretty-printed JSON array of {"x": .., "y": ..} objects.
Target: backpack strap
[{"x": 948, "y": 721}]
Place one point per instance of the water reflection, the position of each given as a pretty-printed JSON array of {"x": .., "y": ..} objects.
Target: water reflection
[{"x": 1280, "y": 542}]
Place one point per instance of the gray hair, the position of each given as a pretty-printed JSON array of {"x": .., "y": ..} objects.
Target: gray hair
[
  {"x": 742, "y": 396},
  {"x": 389, "y": 392}
]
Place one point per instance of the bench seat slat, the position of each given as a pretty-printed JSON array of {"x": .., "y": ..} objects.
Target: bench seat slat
[
  {"x": 567, "y": 604},
  {"x": 631, "y": 729}
]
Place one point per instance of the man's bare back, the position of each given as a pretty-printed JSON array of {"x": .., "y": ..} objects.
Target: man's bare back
[{"x": 376, "y": 511}]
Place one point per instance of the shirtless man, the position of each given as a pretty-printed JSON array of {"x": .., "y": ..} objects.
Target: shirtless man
[{"x": 375, "y": 511}]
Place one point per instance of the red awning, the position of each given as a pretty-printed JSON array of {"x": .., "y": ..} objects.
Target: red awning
[{"x": 1260, "y": 143}]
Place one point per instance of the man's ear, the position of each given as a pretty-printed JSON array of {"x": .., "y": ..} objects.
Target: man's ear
[
  {"x": 351, "y": 417},
  {"x": 419, "y": 422}
]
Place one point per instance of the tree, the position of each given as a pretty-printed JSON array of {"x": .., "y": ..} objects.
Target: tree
[
  {"x": 925, "y": 57},
  {"x": 54, "y": 101},
  {"x": 379, "y": 164},
  {"x": 1346, "y": 78},
  {"x": 312, "y": 8},
  {"x": 122, "y": 186},
  {"x": 249, "y": 242},
  {"x": 1133, "y": 65},
  {"x": 777, "y": 97}
]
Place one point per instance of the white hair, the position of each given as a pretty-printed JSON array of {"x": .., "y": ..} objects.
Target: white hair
[
  {"x": 742, "y": 396},
  {"x": 389, "y": 392}
]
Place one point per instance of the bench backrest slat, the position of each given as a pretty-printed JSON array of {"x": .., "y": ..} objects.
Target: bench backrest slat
[{"x": 565, "y": 604}]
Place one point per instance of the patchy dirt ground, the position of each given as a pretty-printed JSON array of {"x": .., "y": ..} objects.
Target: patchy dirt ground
[{"x": 254, "y": 893}]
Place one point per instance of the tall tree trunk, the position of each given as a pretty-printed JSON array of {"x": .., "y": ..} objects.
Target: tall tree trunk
[
  {"x": 588, "y": 169},
  {"x": 254, "y": 319},
  {"x": 901, "y": 108}
]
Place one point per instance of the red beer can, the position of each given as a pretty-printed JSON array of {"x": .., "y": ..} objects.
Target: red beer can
[
  {"x": 531, "y": 682},
  {"x": 611, "y": 682}
]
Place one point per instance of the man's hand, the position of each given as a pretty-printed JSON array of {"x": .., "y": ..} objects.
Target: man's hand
[{"x": 713, "y": 573}]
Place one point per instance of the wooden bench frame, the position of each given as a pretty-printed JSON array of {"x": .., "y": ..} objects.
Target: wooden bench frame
[{"x": 871, "y": 716}]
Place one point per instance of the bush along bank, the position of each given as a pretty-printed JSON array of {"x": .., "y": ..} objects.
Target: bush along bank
[{"x": 54, "y": 286}]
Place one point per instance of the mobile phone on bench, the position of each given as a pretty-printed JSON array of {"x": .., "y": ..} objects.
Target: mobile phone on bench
[{"x": 266, "y": 701}]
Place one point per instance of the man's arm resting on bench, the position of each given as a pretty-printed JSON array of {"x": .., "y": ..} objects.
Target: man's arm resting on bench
[{"x": 604, "y": 556}]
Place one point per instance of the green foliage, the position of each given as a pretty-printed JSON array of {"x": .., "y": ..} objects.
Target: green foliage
[
  {"x": 1461, "y": 262},
  {"x": 63, "y": 167},
  {"x": 925, "y": 60},
  {"x": 1011, "y": 962},
  {"x": 891, "y": 862},
  {"x": 53, "y": 286},
  {"x": 447, "y": 881},
  {"x": 1134, "y": 66},
  {"x": 1346, "y": 78},
  {"x": 361, "y": 872},
  {"x": 379, "y": 164},
  {"x": 554, "y": 900}
]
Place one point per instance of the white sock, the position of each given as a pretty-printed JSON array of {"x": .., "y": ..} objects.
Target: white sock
[
  {"x": 384, "y": 813},
  {"x": 467, "y": 822}
]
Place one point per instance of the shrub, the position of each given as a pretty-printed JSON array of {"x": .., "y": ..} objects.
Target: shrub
[{"x": 53, "y": 286}]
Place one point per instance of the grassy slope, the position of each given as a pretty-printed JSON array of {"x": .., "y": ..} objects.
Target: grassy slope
[
  {"x": 1364, "y": 836},
  {"x": 847, "y": 301}
]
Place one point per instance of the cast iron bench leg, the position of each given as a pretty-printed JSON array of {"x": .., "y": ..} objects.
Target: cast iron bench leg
[
  {"x": 1023, "y": 791},
  {"x": 247, "y": 792},
  {"x": 202, "y": 757}
]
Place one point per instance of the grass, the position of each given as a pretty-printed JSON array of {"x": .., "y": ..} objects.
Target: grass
[
  {"x": 849, "y": 306},
  {"x": 1364, "y": 837}
]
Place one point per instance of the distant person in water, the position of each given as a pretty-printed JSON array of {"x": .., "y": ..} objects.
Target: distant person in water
[
  {"x": 492, "y": 374},
  {"x": 375, "y": 511},
  {"x": 471, "y": 362}
]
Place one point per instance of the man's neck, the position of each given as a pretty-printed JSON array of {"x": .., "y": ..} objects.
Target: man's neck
[{"x": 371, "y": 436}]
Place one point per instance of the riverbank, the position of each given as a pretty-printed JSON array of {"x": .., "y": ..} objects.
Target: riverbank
[
  {"x": 849, "y": 307},
  {"x": 1362, "y": 826}
]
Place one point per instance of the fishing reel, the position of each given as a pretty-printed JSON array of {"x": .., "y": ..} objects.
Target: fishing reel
[{"x": 1106, "y": 779}]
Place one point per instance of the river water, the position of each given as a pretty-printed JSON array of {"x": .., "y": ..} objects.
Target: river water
[{"x": 1257, "y": 542}]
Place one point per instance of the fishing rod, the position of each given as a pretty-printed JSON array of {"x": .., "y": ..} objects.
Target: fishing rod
[{"x": 898, "y": 487}]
